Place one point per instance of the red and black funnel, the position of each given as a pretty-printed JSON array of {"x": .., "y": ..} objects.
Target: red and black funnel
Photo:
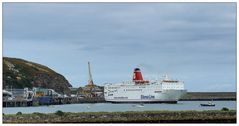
[
  {"x": 137, "y": 75},
  {"x": 138, "y": 78}
]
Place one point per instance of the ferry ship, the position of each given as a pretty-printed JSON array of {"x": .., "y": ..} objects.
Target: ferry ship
[{"x": 144, "y": 91}]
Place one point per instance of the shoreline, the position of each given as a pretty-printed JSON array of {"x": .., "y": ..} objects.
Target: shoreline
[{"x": 208, "y": 116}]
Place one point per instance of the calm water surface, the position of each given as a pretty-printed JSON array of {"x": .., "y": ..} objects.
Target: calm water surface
[{"x": 108, "y": 107}]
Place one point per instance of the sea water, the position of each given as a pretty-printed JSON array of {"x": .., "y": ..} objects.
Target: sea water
[{"x": 109, "y": 107}]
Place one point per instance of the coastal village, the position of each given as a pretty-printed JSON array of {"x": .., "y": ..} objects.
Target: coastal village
[{"x": 36, "y": 96}]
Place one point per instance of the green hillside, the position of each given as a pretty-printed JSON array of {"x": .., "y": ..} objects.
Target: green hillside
[{"x": 19, "y": 73}]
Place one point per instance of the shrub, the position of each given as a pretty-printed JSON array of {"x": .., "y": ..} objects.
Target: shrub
[
  {"x": 59, "y": 113},
  {"x": 19, "y": 113},
  {"x": 225, "y": 109},
  {"x": 38, "y": 113}
]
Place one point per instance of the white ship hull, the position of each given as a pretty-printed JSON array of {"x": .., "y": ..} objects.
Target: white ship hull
[
  {"x": 171, "y": 97},
  {"x": 140, "y": 90},
  {"x": 142, "y": 94}
]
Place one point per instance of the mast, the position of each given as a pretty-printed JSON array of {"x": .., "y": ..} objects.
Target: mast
[{"x": 90, "y": 81}]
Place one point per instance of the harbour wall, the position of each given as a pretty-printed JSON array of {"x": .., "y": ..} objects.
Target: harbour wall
[{"x": 203, "y": 96}]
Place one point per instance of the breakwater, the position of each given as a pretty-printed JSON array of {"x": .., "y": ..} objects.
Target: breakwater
[
  {"x": 202, "y": 96},
  {"x": 212, "y": 116}
]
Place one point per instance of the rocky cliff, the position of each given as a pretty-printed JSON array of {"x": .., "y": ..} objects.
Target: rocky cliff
[{"x": 19, "y": 73}]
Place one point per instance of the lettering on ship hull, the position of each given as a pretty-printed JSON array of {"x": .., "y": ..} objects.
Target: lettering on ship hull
[{"x": 147, "y": 97}]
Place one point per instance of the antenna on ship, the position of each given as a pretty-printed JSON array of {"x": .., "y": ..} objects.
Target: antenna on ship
[{"x": 90, "y": 81}]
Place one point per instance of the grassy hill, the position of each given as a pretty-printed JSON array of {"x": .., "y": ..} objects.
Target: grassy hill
[{"x": 20, "y": 73}]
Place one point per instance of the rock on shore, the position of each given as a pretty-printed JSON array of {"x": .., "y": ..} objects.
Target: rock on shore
[{"x": 215, "y": 116}]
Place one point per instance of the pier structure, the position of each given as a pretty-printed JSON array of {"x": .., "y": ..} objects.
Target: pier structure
[
  {"x": 17, "y": 98},
  {"x": 17, "y": 103}
]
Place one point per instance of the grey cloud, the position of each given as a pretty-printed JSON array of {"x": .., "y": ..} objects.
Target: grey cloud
[{"x": 166, "y": 37}]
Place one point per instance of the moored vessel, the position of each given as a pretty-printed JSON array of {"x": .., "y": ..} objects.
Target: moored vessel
[
  {"x": 210, "y": 104},
  {"x": 144, "y": 91}
]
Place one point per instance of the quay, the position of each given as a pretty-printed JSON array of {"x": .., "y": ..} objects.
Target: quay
[
  {"x": 17, "y": 103},
  {"x": 50, "y": 101}
]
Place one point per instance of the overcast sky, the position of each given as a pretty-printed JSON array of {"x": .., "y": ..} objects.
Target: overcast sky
[{"x": 192, "y": 42}]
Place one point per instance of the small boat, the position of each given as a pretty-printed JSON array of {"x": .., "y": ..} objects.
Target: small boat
[
  {"x": 140, "y": 105},
  {"x": 89, "y": 106},
  {"x": 211, "y": 104}
]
